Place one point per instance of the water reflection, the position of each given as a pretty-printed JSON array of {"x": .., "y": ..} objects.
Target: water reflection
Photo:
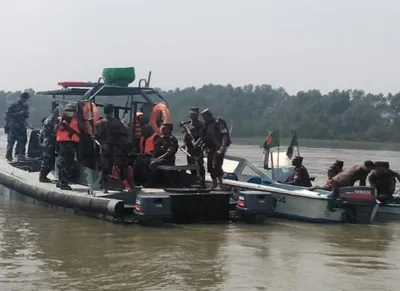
[
  {"x": 19, "y": 252},
  {"x": 86, "y": 254},
  {"x": 359, "y": 250},
  {"x": 45, "y": 250}
]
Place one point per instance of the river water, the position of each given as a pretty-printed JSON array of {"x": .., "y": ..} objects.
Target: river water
[{"x": 42, "y": 249}]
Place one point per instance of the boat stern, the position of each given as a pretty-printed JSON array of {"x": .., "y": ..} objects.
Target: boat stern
[{"x": 359, "y": 204}]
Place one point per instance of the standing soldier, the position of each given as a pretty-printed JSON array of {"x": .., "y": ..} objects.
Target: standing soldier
[
  {"x": 67, "y": 137},
  {"x": 49, "y": 146},
  {"x": 193, "y": 133},
  {"x": 111, "y": 133},
  {"x": 216, "y": 140},
  {"x": 15, "y": 126}
]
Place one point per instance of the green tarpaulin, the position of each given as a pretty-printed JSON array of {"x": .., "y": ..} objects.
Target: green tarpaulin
[{"x": 119, "y": 76}]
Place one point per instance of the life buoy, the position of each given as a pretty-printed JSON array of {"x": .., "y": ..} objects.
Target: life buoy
[
  {"x": 159, "y": 109},
  {"x": 90, "y": 116}
]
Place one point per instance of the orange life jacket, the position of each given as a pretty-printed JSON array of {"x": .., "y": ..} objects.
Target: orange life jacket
[
  {"x": 63, "y": 134},
  {"x": 90, "y": 112},
  {"x": 138, "y": 127},
  {"x": 147, "y": 145}
]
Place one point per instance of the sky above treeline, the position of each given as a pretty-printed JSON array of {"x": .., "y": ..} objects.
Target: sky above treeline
[{"x": 295, "y": 44}]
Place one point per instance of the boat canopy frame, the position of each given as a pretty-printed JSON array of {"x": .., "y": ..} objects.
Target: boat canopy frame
[{"x": 90, "y": 90}]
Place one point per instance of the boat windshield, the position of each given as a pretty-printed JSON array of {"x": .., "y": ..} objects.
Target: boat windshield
[
  {"x": 266, "y": 173},
  {"x": 155, "y": 97}
]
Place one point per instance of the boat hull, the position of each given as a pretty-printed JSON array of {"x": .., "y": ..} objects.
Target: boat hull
[
  {"x": 310, "y": 206},
  {"x": 389, "y": 212}
]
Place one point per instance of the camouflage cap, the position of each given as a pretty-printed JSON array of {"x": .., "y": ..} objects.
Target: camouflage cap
[
  {"x": 70, "y": 107},
  {"x": 195, "y": 110},
  {"x": 207, "y": 113}
]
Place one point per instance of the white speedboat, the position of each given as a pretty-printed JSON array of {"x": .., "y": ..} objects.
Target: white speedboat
[{"x": 356, "y": 204}]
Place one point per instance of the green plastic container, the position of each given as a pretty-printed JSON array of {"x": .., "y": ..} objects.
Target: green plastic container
[{"x": 119, "y": 76}]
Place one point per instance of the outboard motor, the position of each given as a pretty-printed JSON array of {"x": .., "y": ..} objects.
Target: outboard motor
[
  {"x": 253, "y": 206},
  {"x": 153, "y": 208},
  {"x": 359, "y": 204}
]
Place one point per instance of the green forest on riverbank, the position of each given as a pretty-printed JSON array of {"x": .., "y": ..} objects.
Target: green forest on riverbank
[{"x": 351, "y": 115}]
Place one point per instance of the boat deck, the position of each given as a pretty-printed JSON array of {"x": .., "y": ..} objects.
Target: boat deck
[{"x": 115, "y": 205}]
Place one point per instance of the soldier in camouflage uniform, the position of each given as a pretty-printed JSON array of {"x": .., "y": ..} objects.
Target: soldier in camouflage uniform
[
  {"x": 68, "y": 137},
  {"x": 164, "y": 153},
  {"x": 196, "y": 128},
  {"x": 111, "y": 134},
  {"x": 216, "y": 140},
  {"x": 299, "y": 176},
  {"x": 15, "y": 126},
  {"x": 49, "y": 146}
]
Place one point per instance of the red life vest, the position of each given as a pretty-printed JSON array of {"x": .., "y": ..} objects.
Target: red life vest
[{"x": 114, "y": 173}]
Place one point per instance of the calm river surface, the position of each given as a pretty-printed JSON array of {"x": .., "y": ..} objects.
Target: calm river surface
[{"x": 41, "y": 249}]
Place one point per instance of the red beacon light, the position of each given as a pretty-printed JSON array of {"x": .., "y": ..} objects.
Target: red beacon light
[
  {"x": 240, "y": 202},
  {"x": 68, "y": 84}
]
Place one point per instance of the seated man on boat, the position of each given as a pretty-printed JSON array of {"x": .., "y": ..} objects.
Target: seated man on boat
[
  {"x": 110, "y": 133},
  {"x": 49, "y": 146},
  {"x": 164, "y": 152},
  {"x": 193, "y": 132},
  {"x": 383, "y": 179},
  {"x": 335, "y": 169},
  {"x": 348, "y": 178},
  {"x": 299, "y": 176},
  {"x": 216, "y": 140},
  {"x": 67, "y": 137}
]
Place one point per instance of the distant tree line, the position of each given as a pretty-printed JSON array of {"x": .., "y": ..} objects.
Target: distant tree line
[{"x": 256, "y": 110}]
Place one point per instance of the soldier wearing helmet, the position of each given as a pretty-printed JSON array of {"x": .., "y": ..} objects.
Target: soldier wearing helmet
[
  {"x": 216, "y": 140},
  {"x": 112, "y": 134},
  {"x": 67, "y": 137}
]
